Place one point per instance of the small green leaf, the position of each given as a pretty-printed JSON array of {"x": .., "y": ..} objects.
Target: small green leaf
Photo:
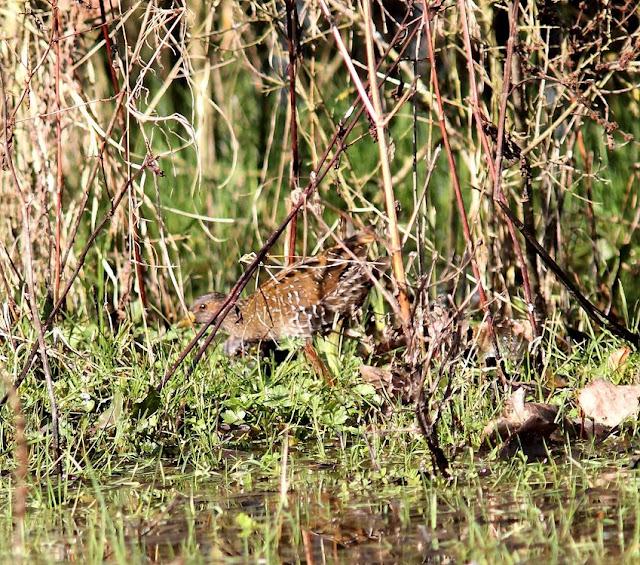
[
  {"x": 246, "y": 524},
  {"x": 365, "y": 390},
  {"x": 233, "y": 416}
]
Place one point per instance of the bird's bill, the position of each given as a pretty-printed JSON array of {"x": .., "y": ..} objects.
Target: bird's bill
[{"x": 187, "y": 321}]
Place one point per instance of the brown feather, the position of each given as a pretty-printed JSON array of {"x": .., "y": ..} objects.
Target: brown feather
[{"x": 302, "y": 299}]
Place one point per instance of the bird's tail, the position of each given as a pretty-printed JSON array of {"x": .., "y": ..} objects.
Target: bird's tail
[
  {"x": 356, "y": 244},
  {"x": 350, "y": 279}
]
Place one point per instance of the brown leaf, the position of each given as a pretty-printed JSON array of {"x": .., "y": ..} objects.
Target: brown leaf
[
  {"x": 394, "y": 380},
  {"x": 609, "y": 404},
  {"x": 618, "y": 358},
  {"x": 379, "y": 377},
  {"x": 532, "y": 418},
  {"x": 514, "y": 337}
]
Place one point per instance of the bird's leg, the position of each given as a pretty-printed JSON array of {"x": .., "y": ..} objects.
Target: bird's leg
[
  {"x": 234, "y": 346},
  {"x": 318, "y": 365}
]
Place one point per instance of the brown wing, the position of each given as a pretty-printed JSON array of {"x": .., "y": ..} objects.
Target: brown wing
[
  {"x": 306, "y": 297},
  {"x": 346, "y": 283},
  {"x": 287, "y": 304}
]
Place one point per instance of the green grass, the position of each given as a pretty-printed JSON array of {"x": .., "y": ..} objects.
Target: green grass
[
  {"x": 199, "y": 469},
  {"x": 196, "y": 472},
  {"x": 584, "y": 505}
]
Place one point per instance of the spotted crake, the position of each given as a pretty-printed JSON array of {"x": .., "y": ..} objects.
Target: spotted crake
[{"x": 300, "y": 301}]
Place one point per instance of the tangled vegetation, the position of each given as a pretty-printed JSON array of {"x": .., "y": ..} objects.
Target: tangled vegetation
[{"x": 154, "y": 151}]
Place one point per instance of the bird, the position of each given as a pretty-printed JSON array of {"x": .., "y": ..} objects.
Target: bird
[{"x": 302, "y": 300}]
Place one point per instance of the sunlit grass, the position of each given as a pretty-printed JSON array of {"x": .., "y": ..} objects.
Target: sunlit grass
[{"x": 198, "y": 472}]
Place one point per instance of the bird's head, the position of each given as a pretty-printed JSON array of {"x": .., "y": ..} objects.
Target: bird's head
[
  {"x": 203, "y": 309},
  {"x": 206, "y": 307}
]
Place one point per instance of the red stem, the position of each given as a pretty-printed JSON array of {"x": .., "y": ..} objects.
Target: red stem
[
  {"x": 497, "y": 187},
  {"x": 452, "y": 164},
  {"x": 456, "y": 186},
  {"x": 495, "y": 169},
  {"x": 59, "y": 178}
]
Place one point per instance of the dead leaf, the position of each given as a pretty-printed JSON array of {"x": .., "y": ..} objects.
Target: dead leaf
[
  {"x": 379, "y": 377},
  {"x": 523, "y": 425},
  {"x": 609, "y": 404},
  {"x": 516, "y": 413},
  {"x": 394, "y": 380},
  {"x": 514, "y": 337},
  {"x": 618, "y": 359}
]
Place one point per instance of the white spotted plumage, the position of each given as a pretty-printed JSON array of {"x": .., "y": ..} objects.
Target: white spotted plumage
[{"x": 304, "y": 299}]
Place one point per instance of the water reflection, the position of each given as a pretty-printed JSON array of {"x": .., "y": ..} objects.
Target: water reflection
[{"x": 324, "y": 517}]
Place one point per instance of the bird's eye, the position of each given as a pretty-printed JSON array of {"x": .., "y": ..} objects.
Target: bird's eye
[{"x": 203, "y": 306}]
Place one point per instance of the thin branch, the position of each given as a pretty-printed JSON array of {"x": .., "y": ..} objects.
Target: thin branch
[
  {"x": 294, "y": 172},
  {"x": 390, "y": 200},
  {"x": 457, "y": 189},
  {"x": 115, "y": 202},
  {"x": 21, "y": 472},
  {"x": 59, "y": 177},
  {"x": 28, "y": 268},
  {"x": 497, "y": 185},
  {"x": 344, "y": 52},
  {"x": 91, "y": 177},
  {"x": 135, "y": 218},
  {"x": 598, "y": 316},
  {"x": 495, "y": 168}
]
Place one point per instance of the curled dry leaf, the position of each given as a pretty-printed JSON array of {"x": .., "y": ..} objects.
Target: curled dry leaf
[
  {"x": 523, "y": 425},
  {"x": 517, "y": 413},
  {"x": 394, "y": 381},
  {"x": 618, "y": 359},
  {"x": 609, "y": 404},
  {"x": 379, "y": 377}
]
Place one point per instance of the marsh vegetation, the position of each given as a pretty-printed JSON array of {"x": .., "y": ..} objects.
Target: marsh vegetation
[{"x": 482, "y": 403}]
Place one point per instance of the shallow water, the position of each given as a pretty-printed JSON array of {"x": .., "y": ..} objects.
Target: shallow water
[{"x": 585, "y": 510}]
